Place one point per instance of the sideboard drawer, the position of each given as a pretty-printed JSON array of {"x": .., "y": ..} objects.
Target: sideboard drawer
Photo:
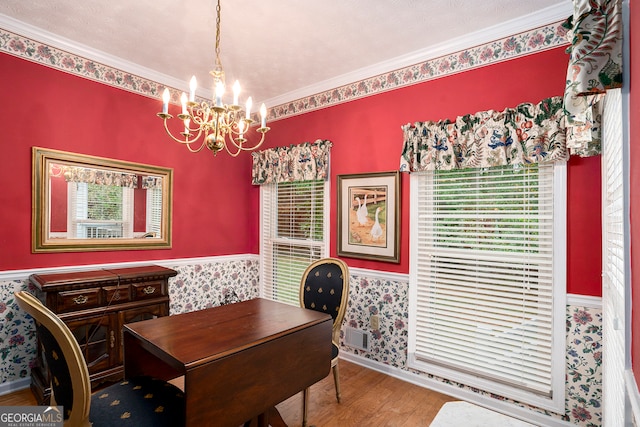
[
  {"x": 78, "y": 300},
  {"x": 115, "y": 294},
  {"x": 151, "y": 289}
]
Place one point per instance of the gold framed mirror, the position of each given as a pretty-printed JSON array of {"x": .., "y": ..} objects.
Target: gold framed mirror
[{"x": 88, "y": 203}]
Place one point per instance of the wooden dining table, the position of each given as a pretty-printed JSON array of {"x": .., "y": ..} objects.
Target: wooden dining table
[{"x": 238, "y": 360}]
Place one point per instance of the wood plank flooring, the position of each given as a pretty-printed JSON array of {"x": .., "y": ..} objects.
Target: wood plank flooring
[{"x": 369, "y": 398}]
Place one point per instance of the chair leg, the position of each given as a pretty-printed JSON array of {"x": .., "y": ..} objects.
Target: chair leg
[
  {"x": 305, "y": 406},
  {"x": 336, "y": 380}
]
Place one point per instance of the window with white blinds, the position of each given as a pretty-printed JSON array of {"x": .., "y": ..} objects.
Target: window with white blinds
[
  {"x": 488, "y": 279},
  {"x": 294, "y": 233},
  {"x": 615, "y": 263}
]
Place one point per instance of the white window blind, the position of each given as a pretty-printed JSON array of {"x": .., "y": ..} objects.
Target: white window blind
[
  {"x": 294, "y": 233},
  {"x": 483, "y": 258},
  {"x": 614, "y": 262}
]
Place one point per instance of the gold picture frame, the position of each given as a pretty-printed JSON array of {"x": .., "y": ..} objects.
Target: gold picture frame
[{"x": 369, "y": 216}]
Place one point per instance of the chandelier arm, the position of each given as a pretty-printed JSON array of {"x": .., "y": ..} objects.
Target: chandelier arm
[
  {"x": 185, "y": 142},
  {"x": 226, "y": 147},
  {"x": 241, "y": 147},
  {"x": 188, "y": 145},
  {"x": 200, "y": 115}
]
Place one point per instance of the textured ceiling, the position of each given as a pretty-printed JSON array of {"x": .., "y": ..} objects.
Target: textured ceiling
[{"x": 274, "y": 47}]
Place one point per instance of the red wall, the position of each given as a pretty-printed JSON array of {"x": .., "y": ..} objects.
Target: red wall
[
  {"x": 58, "y": 196},
  {"x": 140, "y": 210},
  {"x": 215, "y": 206},
  {"x": 48, "y": 108},
  {"x": 366, "y": 137}
]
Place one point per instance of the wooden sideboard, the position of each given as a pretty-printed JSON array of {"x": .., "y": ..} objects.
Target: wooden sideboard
[{"x": 95, "y": 305}]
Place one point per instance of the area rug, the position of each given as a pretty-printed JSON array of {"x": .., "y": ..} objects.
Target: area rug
[{"x": 457, "y": 414}]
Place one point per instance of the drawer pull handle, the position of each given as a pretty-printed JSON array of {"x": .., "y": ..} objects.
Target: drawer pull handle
[
  {"x": 149, "y": 290},
  {"x": 113, "y": 339},
  {"x": 80, "y": 299}
]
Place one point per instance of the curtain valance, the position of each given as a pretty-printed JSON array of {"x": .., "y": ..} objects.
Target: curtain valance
[
  {"x": 595, "y": 33},
  {"x": 303, "y": 162},
  {"x": 96, "y": 176},
  {"x": 529, "y": 133},
  {"x": 150, "y": 182}
]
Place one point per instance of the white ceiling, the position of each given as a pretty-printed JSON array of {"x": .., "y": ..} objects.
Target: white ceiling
[{"x": 278, "y": 49}]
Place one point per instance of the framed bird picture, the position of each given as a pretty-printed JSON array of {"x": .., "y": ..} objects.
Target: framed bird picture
[{"x": 369, "y": 216}]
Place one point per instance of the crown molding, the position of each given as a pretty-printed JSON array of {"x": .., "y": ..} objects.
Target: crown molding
[
  {"x": 50, "y": 39},
  {"x": 537, "y": 19},
  {"x": 530, "y": 34}
]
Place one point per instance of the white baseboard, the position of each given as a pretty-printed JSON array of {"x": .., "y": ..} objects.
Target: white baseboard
[
  {"x": 502, "y": 407},
  {"x": 10, "y": 387}
]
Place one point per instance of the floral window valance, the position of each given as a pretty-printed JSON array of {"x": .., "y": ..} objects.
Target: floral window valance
[
  {"x": 529, "y": 133},
  {"x": 149, "y": 182},
  {"x": 595, "y": 33},
  {"x": 95, "y": 176},
  {"x": 303, "y": 162}
]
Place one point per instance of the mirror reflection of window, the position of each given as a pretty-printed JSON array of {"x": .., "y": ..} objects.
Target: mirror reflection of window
[
  {"x": 99, "y": 211},
  {"x": 89, "y": 203}
]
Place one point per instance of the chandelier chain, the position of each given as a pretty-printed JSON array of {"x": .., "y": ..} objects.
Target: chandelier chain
[{"x": 218, "y": 62}]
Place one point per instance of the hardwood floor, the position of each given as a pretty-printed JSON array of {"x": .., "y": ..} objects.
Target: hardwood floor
[{"x": 369, "y": 398}]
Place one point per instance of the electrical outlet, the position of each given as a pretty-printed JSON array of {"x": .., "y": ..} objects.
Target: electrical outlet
[{"x": 374, "y": 322}]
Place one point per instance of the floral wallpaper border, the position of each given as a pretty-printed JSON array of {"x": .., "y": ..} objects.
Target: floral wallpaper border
[
  {"x": 525, "y": 43},
  {"x": 511, "y": 47},
  {"x": 210, "y": 283}
]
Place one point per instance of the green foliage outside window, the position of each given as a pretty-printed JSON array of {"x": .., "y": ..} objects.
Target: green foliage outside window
[
  {"x": 104, "y": 202},
  {"x": 490, "y": 212}
]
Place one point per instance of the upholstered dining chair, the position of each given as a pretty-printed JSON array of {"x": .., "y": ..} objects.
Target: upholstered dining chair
[
  {"x": 325, "y": 288},
  {"x": 135, "y": 402}
]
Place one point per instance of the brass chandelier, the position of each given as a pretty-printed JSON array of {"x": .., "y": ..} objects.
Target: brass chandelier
[{"x": 220, "y": 125}]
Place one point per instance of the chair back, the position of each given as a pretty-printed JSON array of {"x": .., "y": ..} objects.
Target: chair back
[
  {"x": 70, "y": 385},
  {"x": 325, "y": 288}
]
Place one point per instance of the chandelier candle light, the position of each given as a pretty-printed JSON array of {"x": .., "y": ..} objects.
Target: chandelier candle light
[{"x": 214, "y": 121}]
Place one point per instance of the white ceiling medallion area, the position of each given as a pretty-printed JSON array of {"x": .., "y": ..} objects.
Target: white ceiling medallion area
[{"x": 549, "y": 15}]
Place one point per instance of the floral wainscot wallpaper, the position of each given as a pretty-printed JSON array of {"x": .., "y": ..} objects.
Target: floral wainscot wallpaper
[{"x": 210, "y": 283}]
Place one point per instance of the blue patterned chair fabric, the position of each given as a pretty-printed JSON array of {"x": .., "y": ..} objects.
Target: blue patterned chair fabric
[
  {"x": 322, "y": 292},
  {"x": 138, "y": 402}
]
